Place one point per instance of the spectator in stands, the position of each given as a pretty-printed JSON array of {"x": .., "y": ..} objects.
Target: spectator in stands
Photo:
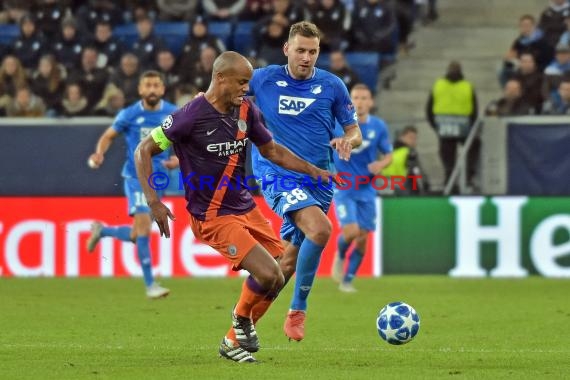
[
  {"x": 198, "y": 39},
  {"x": 176, "y": 10},
  {"x": 185, "y": 92},
  {"x": 166, "y": 65},
  {"x": 49, "y": 15},
  {"x": 374, "y": 27},
  {"x": 511, "y": 104},
  {"x": 552, "y": 20},
  {"x": 113, "y": 101},
  {"x": 135, "y": 9},
  {"x": 451, "y": 111},
  {"x": 559, "y": 102},
  {"x": 147, "y": 44},
  {"x": 12, "y": 75},
  {"x": 290, "y": 9},
  {"x": 202, "y": 73},
  {"x": 340, "y": 68},
  {"x": 48, "y": 82},
  {"x": 531, "y": 80},
  {"x": 530, "y": 40},
  {"x": 557, "y": 69},
  {"x": 256, "y": 10},
  {"x": 405, "y": 162},
  {"x": 68, "y": 46},
  {"x": 74, "y": 103},
  {"x": 11, "y": 11},
  {"x": 91, "y": 78},
  {"x": 565, "y": 36},
  {"x": 25, "y": 104},
  {"x": 31, "y": 44},
  {"x": 5, "y": 99},
  {"x": 269, "y": 40},
  {"x": 334, "y": 21},
  {"x": 126, "y": 78},
  {"x": 110, "y": 48},
  {"x": 405, "y": 10},
  {"x": 88, "y": 14},
  {"x": 223, "y": 10}
]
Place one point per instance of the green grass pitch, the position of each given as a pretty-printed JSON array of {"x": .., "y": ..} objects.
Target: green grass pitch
[{"x": 107, "y": 329}]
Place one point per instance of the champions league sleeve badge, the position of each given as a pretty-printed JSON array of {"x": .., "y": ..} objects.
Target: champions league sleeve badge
[{"x": 242, "y": 125}]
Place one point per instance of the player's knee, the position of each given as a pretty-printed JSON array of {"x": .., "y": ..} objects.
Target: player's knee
[
  {"x": 288, "y": 268},
  {"x": 279, "y": 281},
  {"x": 321, "y": 233},
  {"x": 350, "y": 236}
]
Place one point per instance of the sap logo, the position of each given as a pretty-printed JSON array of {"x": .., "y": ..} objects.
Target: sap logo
[{"x": 290, "y": 105}]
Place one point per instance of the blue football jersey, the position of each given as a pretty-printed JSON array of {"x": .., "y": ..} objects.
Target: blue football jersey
[
  {"x": 301, "y": 115},
  {"x": 375, "y": 139},
  {"x": 135, "y": 123}
]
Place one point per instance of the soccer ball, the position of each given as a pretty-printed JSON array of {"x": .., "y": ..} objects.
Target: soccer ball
[{"x": 398, "y": 323}]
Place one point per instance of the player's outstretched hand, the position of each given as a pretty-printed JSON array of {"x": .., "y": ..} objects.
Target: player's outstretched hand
[
  {"x": 343, "y": 146},
  {"x": 95, "y": 160},
  {"x": 326, "y": 176},
  {"x": 161, "y": 214}
]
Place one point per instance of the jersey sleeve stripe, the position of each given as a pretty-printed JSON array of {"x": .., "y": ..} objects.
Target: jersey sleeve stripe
[{"x": 220, "y": 191}]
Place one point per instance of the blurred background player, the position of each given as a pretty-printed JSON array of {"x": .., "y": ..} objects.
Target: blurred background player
[
  {"x": 356, "y": 207},
  {"x": 135, "y": 122},
  {"x": 224, "y": 215},
  {"x": 297, "y": 100}
]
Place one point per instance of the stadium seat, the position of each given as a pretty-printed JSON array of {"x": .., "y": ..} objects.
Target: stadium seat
[
  {"x": 323, "y": 62},
  {"x": 127, "y": 33},
  {"x": 8, "y": 33},
  {"x": 242, "y": 39},
  {"x": 222, "y": 30},
  {"x": 366, "y": 65},
  {"x": 173, "y": 33}
]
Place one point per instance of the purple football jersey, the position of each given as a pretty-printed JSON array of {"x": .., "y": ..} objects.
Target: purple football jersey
[{"x": 211, "y": 147}]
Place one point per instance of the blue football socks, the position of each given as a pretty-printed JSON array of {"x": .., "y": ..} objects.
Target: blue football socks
[
  {"x": 122, "y": 232},
  {"x": 342, "y": 247},
  {"x": 143, "y": 251},
  {"x": 354, "y": 262},
  {"x": 307, "y": 264}
]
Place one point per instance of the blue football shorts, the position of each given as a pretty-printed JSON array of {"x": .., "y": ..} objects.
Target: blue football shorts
[
  {"x": 135, "y": 196},
  {"x": 283, "y": 201},
  {"x": 353, "y": 209}
]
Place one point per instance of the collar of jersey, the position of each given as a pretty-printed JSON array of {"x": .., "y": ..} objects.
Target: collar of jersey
[
  {"x": 142, "y": 107},
  {"x": 286, "y": 67}
]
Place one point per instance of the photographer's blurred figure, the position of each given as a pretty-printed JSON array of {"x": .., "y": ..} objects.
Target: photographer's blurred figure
[{"x": 405, "y": 163}]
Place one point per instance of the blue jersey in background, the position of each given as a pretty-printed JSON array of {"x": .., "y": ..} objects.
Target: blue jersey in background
[
  {"x": 135, "y": 123},
  {"x": 375, "y": 140}
]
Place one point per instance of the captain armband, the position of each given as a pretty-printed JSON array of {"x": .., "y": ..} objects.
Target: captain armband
[{"x": 160, "y": 138}]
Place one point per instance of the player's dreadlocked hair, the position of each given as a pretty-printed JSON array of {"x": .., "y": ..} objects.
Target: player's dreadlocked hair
[{"x": 305, "y": 29}]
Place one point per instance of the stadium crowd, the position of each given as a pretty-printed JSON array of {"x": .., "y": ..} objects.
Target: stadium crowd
[
  {"x": 535, "y": 74},
  {"x": 67, "y": 58}
]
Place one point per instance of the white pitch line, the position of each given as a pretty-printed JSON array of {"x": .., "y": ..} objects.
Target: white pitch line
[{"x": 291, "y": 347}]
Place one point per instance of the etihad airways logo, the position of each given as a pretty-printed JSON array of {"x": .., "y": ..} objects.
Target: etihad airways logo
[
  {"x": 291, "y": 105},
  {"x": 228, "y": 148}
]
